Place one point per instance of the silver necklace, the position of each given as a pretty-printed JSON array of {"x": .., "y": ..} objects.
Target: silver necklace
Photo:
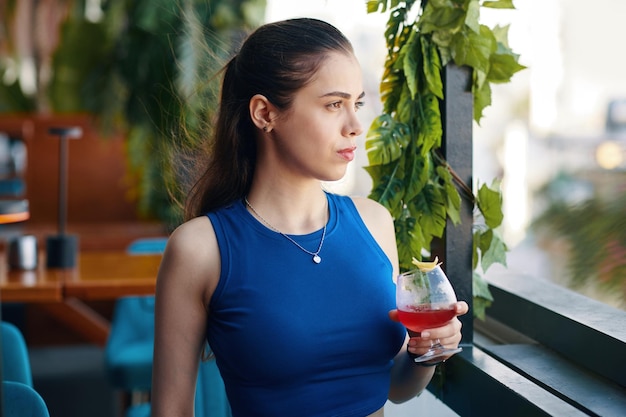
[{"x": 316, "y": 257}]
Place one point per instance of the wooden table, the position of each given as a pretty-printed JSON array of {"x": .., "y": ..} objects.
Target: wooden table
[{"x": 98, "y": 275}]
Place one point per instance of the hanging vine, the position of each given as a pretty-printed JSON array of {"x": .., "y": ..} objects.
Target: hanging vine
[{"x": 410, "y": 176}]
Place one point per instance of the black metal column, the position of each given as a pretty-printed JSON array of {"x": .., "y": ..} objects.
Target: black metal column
[{"x": 457, "y": 118}]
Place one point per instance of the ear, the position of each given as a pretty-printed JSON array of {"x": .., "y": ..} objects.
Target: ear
[{"x": 262, "y": 112}]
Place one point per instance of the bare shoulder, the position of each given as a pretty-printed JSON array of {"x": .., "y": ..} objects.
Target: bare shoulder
[
  {"x": 194, "y": 235},
  {"x": 371, "y": 211},
  {"x": 380, "y": 224},
  {"x": 192, "y": 255}
]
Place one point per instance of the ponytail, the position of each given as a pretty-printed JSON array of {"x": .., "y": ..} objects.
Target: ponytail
[{"x": 231, "y": 153}]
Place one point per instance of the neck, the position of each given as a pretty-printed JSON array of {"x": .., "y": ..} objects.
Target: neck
[{"x": 296, "y": 214}]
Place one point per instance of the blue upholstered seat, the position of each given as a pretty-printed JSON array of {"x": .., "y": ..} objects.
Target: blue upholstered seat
[
  {"x": 128, "y": 352},
  {"x": 15, "y": 360},
  {"x": 19, "y": 397},
  {"x": 147, "y": 246},
  {"x": 211, "y": 398},
  {"x": 21, "y": 400}
]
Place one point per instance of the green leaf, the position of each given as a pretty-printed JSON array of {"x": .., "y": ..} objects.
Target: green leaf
[
  {"x": 405, "y": 106},
  {"x": 482, "y": 296},
  {"x": 475, "y": 252},
  {"x": 473, "y": 49},
  {"x": 502, "y": 67},
  {"x": 411, "y": 60},
  {"x": 375, "y": 5},
  {"x": 473, "y": 15},
  {"x": 432, "y": 67},
  {"x": 441, "y": 16},
  {"x": 482, "y": 97},
  {"x": 501, "y": 33},
  {"x": 429, "y": 207},
  {"x": 490, "y": 205},
  {"x": 443, "y": 39},
  {"x": 388, "y": 189},
  {"x": 417, "y": 168},
  {"x": 386, "y": 140},
  {"x": 481, "y": 287},
  {"x": 394, "y": 30},
  {"x": 496, "y": 253},
  {"x": 452, "y": 195},
  {"x": 410, "y": 241},
  {"x": 430, "y": 131},
  {"x": 499, "y": 4},
  {"x": 391, "y": 88}
]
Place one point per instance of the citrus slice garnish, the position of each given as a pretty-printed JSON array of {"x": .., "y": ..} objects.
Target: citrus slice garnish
[{"x": 426, "y": 266}]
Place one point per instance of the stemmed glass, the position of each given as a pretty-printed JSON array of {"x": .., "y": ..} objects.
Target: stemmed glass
[{"x": 425, "y": 300}]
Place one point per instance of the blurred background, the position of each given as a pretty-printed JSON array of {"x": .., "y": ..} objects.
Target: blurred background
[{"x": 555, "y": 136}]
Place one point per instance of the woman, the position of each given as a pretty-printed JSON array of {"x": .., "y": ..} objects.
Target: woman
[{"x": 291, "y": 286}]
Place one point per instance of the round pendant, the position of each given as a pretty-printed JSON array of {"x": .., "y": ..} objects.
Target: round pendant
[{"x": 317, "y": 259}]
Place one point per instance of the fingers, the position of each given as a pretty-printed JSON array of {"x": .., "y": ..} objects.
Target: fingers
[
  {"x": 449, "y": 335},
  {"x": 393, "y": 315},
  {"x": 461, "y": 308}
]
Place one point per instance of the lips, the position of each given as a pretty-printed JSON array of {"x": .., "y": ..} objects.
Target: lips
[{"x": 347, "y": 153}]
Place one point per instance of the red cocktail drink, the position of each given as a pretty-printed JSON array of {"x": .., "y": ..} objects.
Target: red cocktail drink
[{"x": 421, "y": 317}]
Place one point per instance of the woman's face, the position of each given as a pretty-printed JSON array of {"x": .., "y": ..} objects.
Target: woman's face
[{"x": 316, "y": 136}]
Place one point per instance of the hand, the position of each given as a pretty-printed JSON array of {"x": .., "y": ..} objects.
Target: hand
[{"x": 449, "y": 335}]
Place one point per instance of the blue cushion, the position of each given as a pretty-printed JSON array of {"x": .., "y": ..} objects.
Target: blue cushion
[
  {"x": 210, "y": 400},
  {"x": 147, "y": 245},
  {"x": 128, "y": 352},
  {"x": 139, "y": 410},
  {"x": 20, "y": 400},
  {"x": 15, "y": 360}
]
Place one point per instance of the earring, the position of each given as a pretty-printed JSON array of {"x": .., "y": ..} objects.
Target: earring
[{"x": 265, "y": 128}]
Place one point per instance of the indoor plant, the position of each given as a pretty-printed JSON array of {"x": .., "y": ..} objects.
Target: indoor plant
[{"x": 410, "y": 176}]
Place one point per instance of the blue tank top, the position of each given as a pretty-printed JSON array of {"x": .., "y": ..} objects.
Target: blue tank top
[{"x": 295, "y": 338}]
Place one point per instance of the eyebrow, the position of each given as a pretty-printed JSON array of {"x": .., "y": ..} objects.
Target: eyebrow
[{"x": 342, "y": 95}]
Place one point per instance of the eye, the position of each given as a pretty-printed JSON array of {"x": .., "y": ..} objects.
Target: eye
[
  {"x": 335, "y": 105},
  {"x": 358, "y": 105}
]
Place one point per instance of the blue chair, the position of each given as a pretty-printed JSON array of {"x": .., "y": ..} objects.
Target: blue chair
[
  {"x": 15, "y": 360},
  {"x": 147, "y": 246},
  {"x": 19, "y": 397},
  {"x": 211, "y": 398},
  {"x": 128, "y": 352},
  {"x": 20, "y": 400}
]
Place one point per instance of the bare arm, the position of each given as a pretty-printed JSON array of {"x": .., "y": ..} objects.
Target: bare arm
[
  {"x": 407, "y": 378},
  {"x": 187, "y": 277}
]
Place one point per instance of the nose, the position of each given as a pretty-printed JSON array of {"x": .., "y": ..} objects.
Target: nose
[{"x": 353, "y": 125}]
